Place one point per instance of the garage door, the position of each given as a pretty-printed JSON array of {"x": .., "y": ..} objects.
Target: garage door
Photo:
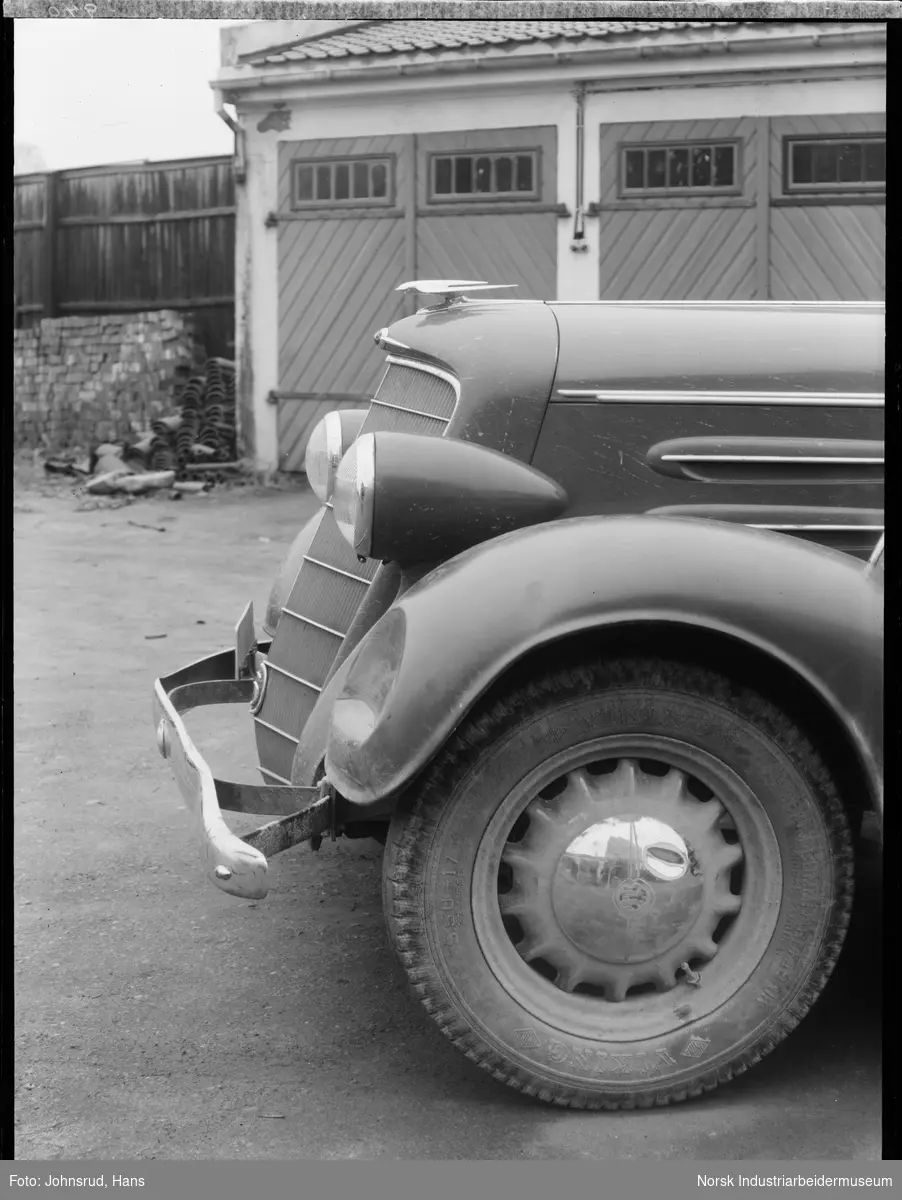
[
  {"x": 487, "y": 208},
  {"x": 359, "y": 216},
  {"x": 341, "y": 255},
  {"x": 676, "y": 210},
  {"x": 828, "y": 207}
]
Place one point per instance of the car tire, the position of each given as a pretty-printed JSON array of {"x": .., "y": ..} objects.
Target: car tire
[{"x": 707, "y": 906}]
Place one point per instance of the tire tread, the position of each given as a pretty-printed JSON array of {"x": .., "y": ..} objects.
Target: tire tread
[{"x": 405, "y": 862}]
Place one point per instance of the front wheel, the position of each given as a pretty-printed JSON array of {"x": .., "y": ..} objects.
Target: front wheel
[{"x": 622, "y": 884}]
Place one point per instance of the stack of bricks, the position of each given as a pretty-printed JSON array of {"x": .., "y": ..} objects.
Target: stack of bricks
[{"x": 80, "y": 381}]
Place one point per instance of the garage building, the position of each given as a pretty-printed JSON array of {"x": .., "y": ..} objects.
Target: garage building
[{"x": 579, "y": 160}]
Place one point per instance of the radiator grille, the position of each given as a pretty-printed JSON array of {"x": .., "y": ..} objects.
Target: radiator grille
[
  {"x": 331, "y": 583},
  {"x": 411, "y": 401}
]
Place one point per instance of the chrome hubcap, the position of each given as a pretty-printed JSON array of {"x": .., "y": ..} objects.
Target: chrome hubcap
[
  {"x": 619, "y": 876},
  {"x": 626, "y": 886}
]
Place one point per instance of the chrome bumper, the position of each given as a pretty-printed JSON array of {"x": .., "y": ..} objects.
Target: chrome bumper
[{"x": 235, "y": 865}]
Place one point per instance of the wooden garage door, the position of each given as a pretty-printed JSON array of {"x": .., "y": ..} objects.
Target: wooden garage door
[
  {"x": 669, "y": 228},
  {"x": 487, "y": 208},
  {"x": 827, "y": 230},
  {"x": 454, "y": 205},
  {"x": 341, "y": 255}
]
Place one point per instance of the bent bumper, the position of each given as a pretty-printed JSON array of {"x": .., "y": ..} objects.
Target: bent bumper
[{"x": 235, "y": 865}]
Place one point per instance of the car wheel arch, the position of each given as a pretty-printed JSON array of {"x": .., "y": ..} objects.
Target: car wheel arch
[{"x": 700, "y": 645}]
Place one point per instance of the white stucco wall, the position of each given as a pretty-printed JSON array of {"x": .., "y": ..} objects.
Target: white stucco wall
[{"x": 480, "y": 106}]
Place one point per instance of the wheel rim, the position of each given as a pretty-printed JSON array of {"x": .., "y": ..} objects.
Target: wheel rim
[{"x": 627, "y": 886}]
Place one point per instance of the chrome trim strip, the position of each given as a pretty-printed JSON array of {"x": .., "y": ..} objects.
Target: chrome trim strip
[
  {"x": 310, "y": 621},
  {"x": 365, "y": 489},
  {"x": 297, "y": 679},
  {"x": 823, "y": 528},
  {"x": 416, "y": 365},
  {"x": 867, "y": 306},
  {"x": 797, "y": 399},
  {"x": 275, "y": 729},
  {"x": 771, "y": 458},
  {"x": 336, "y": 570},
  {"x": 273, "y": 775},
  {"x": 403, "y": 408},
  {"x": 878, "y": 550}
]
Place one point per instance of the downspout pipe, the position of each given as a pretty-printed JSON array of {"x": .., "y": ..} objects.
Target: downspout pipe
[
  {"x": 240, "y": 158},
  {"x": 579, "y": 244}
]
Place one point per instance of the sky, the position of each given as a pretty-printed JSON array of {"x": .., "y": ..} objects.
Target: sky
[{"x": 89, "y": 93}]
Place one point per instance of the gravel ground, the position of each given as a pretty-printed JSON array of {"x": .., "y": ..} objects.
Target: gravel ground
[{"x": 158, "y": 1018}]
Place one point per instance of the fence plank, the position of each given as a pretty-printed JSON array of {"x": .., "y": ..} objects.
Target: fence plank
[
  {"x": 129, "y": 238},
  {"x": 51, "y": 207}
]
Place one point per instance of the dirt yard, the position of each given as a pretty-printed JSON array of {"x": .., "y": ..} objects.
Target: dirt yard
[{"x": 159, "y": 1018}]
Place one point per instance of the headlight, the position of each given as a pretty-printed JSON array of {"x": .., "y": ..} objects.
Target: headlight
[
  {"x": 409, "y": 498},
  {"x": 330, "y": 439},
  {"x": 352, "y": 500}
]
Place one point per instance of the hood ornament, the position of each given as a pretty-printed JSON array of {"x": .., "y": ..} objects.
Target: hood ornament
[{"x": 451, "y": 290}]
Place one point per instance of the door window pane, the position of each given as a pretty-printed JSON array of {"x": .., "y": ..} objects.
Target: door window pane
[
  {"x": 463, "y": 175},
  {"x": 657, "y": 161},
  {"x": 524, "y": 173},
  {"x": 324, "y": 183},
  {"x": 875, "y": 162},
  {"x": 442, "y": 176},
  {"x": 701, "y": 166},
  {"x": 379, "y": 180},
  {"x": 678, "y": 169},
  {"x": 635, "y": 168},
  {"x": 361, "y": 180},
  {"x": 824, "y": 164},
  {"x": 503, "y": 175},
  {"x": 724, "y": 166},
  {"x": 304, "y": 183}
]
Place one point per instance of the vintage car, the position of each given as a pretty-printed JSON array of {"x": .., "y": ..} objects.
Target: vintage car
[{"x": 588, "y": 633}]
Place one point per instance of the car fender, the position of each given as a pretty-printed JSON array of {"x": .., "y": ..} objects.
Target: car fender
[{"x": 443, "y": 644}]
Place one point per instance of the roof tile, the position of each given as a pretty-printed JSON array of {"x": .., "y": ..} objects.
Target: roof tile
[{"x": 404, "y": 37}]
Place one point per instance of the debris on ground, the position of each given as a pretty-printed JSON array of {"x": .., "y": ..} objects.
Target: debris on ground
[
  {"x": 63, "y": 465},
  {"x": 141, "y": 525},
  {"x": 93, "y": 503},
  {"x": 131, "y": 484},
  {"x": 197, "y": 440},
  {"x": 107, "y": 483}
]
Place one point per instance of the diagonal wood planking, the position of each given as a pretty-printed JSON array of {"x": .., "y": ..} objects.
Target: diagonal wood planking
[
  {"x": 666, "y": 250},
  {"x": 511, "y": 247},
  {"x": 337, "y": 276},
  {"x": 689, "y": 254},
  {"x": 822, "y": 252},
  {"x": 520, "y": 249}
]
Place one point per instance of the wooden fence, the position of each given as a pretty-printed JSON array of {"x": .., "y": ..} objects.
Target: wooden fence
[{"x": 129, "y": 238}]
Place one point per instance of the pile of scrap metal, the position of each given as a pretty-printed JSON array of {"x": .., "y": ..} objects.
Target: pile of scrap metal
[
  {"x": 197, "y": 441},
  {"x": 202, "y": 433}
]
